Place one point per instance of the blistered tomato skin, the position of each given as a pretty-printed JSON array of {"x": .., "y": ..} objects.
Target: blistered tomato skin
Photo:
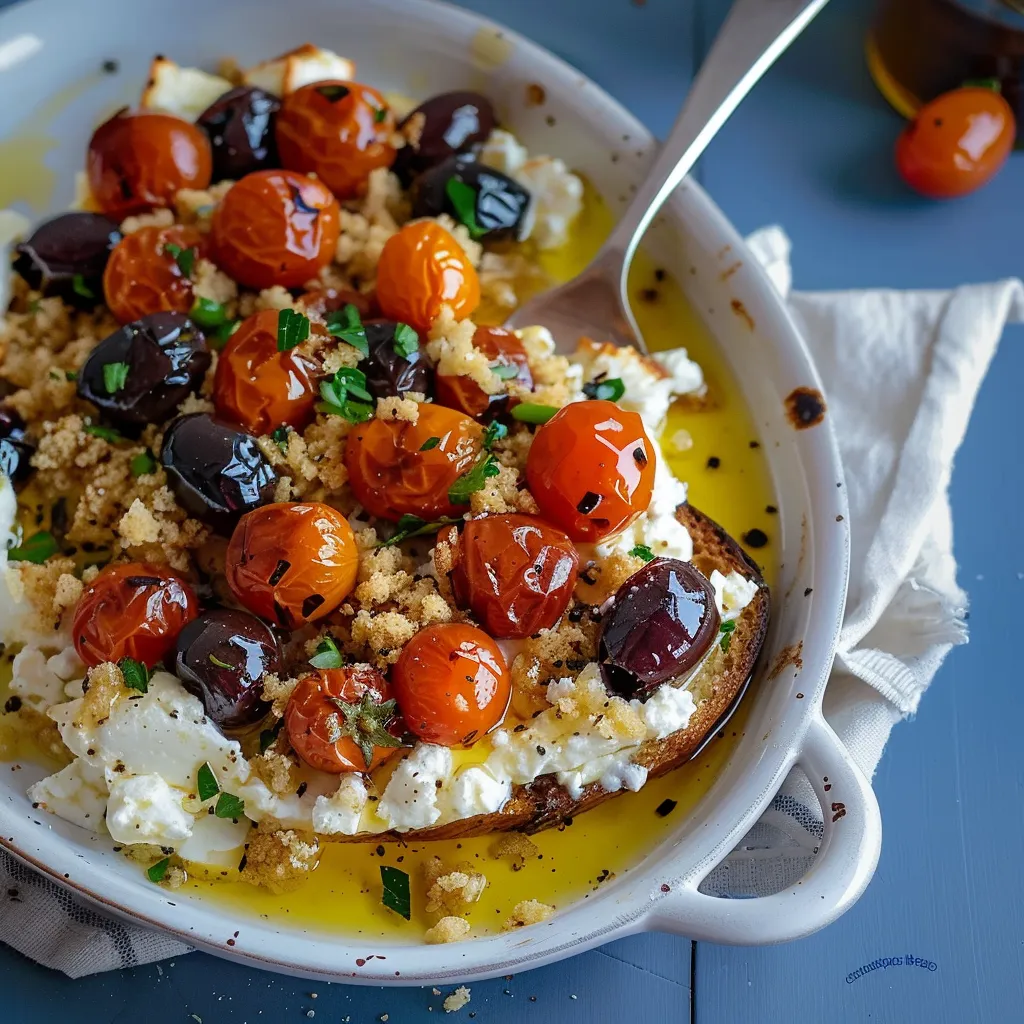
[
  {"x": 143, "y": 277},
  {"x": 260, "y": 388},
  {"x": 391, "y": 474},
  {"x": 337, "y": 130},
  {"x": 132, "y": 610},
  {"x": 325, "y": 737},
  {"x": 421, "y": 269},
  {"x": 515, "y": 574},
  {"x": 240, "y": 127},
  {"x": 452, "y": 684},
  {"x": 503, "y": 349},
  {"x": 140, "y": 159},
  {"x": 591, "y": 469},
  {"x": 292, "y": 563},
  {"x": 956, "y": 143},
  {"x": 275, "y": 227},
  {"x": 446, "y": 124}
]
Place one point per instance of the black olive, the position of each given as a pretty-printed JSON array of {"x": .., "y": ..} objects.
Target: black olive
[
  {"x": 240, "y": 126},
  {"x": 66, "y": 256},
  {"x": 15, "y": 448},
  {"x": 216, "y": 471},
  {"x": 166, "y": 359},
  {"x": 662, "y": 622},
  {"x": 488, "y": 202},
  {"x": 450, "y": 123},
  {"x": 222, "y": 658},
  {"x": 389, "y": 374}
]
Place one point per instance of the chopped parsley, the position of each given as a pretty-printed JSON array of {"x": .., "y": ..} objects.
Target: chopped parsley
[
  {"x": 206, "y": 783},
  {"x": 185, "y": 258},
  {"x": 505, "y": 371},
  {"x": 136, "y": 675},
  {"x": 143, "y": 464},
  {"x": 108, "y": 434},
  {"x": 380, "y": 115},
  {"x": 327, "y": 654},
  {"x": 280, "y": 438},
  {"x": 345, "y": 395},
  {"x": 214, "y": 660},
  {"x": 406, "y": 341},
  {"x": 473, "y": 479},
  {"x": 494, "y": 433},
  {"x": 229, "y": 806},
  {"x": 332, "y": 92},
  {"x": 71, "y": 375},
  {"x": 609, "y": 389},
  {"x": 267, "y": 736},
  {"x": 157, "y": 872},
  {"x": 642, "y": 551},
  {"x": 292, "y": 329},
  {"x": 79, "y": 287},
  {"x": 395, "y": 894},
  {"x": 221, "y": 335},
  {"x": 463, "y": 200},
  {"x": 413, "y": 526},
  {"x": 725, "y": 631},
  {"x": 346, "y": 324},
  {"x": 37, "y": 548},
  {"x": 208, "y": 313},
  {"x": 431, "y": 442},
  {"x": 115, "y": 376},
  {"x": 532, "y": 412}
]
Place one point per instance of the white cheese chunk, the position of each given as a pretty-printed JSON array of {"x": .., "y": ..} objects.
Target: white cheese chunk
[
  {"x": 732, "y": 593},
  {"x": 77, "y": 793},
  {"x": 145, "y": 809},
  {"x": 184, "y": 92},
  {"x": 339, "y": 813},
  {"x": 34, "y": 681},
  {"x": 474, "y": 790},
  {"x": 302, "y": 66},
  {"x": 216, "y": 843},
  {"x": 410, "y": 797}
]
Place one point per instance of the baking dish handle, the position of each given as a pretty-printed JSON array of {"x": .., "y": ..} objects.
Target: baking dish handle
[{"x": 841, "y": 870}]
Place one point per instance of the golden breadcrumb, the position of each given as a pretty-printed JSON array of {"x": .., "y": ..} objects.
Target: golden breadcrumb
[
  {"x": 448, "y": 929},
  {"x": 279, "y": 860},
  {"x": 159, "y": 218},
  {"x": 457, "y": 1000},
  {"x": 398, "y": 408},
  {"x": 516, "y": 848},
  {"x": 528, "y": 912}
]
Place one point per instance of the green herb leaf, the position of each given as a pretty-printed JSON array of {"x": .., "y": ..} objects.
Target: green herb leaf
[
  {"x": 505, "y": 371},
  {"x": 327, "y": 655},
  {"x": 532, "y": 412},
  {"x": 407, "y": 340},
  {"x": 354, "y": 412},
  {"x": 214, "y": 660},
  {"x": 107, "y": 433},
  {"x": 396, "y": 896},
  {"x": 333, "y": 92},
  {"x": 642, "y": 551},
  {"x": 280, "y": 438},
  {"x": 37, "y": 548},
  {"x": 158, "y": 870},
  {"x": 380, "y": 115},
  {"x": 346, "y": 324},
  {"x": 345, "y": 395},
  {"x": 71, "y": 375},
  {"x": 136, "y": 675},
  {"x": 982, "y": 83},
  {"x": 267, "y": 736},
  {"x": 431, "y": 442},
  {"x": 610, "y": 389},
  {"x": 185, "y": 258},
  {"x": 206, "y": 783},
  {"x": 463, "y": 200},
  {"x": 413, "y": 526},
  {"x": 495, "y": 432},
  {"x": 143, "y": 464},
  {"x": 208, "y": 313},
  {"x": 115, "y": 376},
  {"x": 79, "y": 287},
  {"x": 34, "y": 306},
  {"x": 726, "y": 630},
  {"x": 220, "y": 336},
  {"x": 292, "y": 329},
  {"x": 229, "y": 806},
  {"x": 473, "y": 480}
]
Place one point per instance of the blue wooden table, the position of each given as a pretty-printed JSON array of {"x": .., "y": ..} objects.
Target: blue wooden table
[{"x": 809, "y": 149}]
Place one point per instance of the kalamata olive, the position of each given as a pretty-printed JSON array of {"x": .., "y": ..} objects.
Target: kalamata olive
[
  {"x": 66, "y": 256},
  {"x": 15, "y": 448},
  {"x": 662, "y": 622},
  {"x": 240, "y": 126},
  {"x": 222, "y": 658},
  {"x": 143, "y": 371},
  {"x": 216, "y": 471},
  {"x": 388, "y": 372},
  {"x": 450, "y": 123},
  {"x": 488, "y": 202}
]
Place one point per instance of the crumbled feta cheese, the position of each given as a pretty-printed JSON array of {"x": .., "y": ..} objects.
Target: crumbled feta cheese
[
  {"x": 732, "y": 593},
  {"x": 34, "y": 681},
  {"x": 410, "y": 797},
  {"x": 474, "y": 790},
  {"x": 77, "y": 793},
  {"x": 339, "y": 813},
  {"x": 504, "y": 152},
  {"x": 302, "y": 66},
  {"x": 667, "y": 710},
  {"x": 184, "y": 92},
  {"x": 145, "y": 809}
]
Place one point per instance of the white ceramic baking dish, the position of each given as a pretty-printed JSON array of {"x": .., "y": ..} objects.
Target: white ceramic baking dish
[{"x": 50, "y": 55}]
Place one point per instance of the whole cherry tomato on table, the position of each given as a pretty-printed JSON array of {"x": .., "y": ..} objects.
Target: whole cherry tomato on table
[
  {"x": 259, "y": 386},
  {"x": 275, "y": 227},
  {"x": 338, "y": 720},
  {"x": 956, "y": 143},
  {"x": 452, "y": 684},
  {"x": 132, "y": 610},
  {"x": 421, "y": 269},
  {"x": 292, "y": 563},
  {"x": 139, "y": 159},
  {"x": 144, "y": 273},
  {"x": 339, "y": 131},
  {"x": 591, "y": 469},
  {"x": 507, "y": 356}
]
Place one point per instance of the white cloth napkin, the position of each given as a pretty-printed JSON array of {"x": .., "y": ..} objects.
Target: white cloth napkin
[{"x": 901, "y": 373}]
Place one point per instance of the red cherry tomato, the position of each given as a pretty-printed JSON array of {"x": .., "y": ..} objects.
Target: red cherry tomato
[
  {"x": 452, "y": 684},
  {"x": 139, "y": 159},
  {"x": 956, "y": 143},
  {"x": 339, "y": 131},
  {"x": 275, "y": 227},
  {"x": 292, "y": 564},
  {"x": 259, "y": 387},
  {"x": 338, "y": 720},
  {"x": 515, "y": 573},
  {"x": 591, "y": 469},
  {"x": 504, "y": 350},
  {"x": 132, "y": 610}
]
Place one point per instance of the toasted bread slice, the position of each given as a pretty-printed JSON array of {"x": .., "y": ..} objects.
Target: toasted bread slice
[{"x": 544, "y": 803}]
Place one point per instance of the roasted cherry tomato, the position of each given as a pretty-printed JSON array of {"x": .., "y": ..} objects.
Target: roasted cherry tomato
[
  {"x": 956, "y": 143},
  {"x": 144, "y": 276},
  {"x": 275, "y": 227},
  {"x": 259, "y": 387},
  {"x": 292, "y": 564},
  {"x": 452, "y": 684},
  {"x": 339, "y": 131},
  {"x": 132, "y": 610},
  {"x": 507, "y": 356},
  {"x": 338, "y": 720},
  {"x": 397, "y": 468},
  {"x": 421, "y": 269},
  {"x": 515, "y": 573},
  {"x": 139, "y": 159},
  {"x": 591, "y": 469}
]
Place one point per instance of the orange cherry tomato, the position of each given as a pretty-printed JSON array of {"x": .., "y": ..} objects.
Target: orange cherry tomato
[
  {"x": 503, "y": 349},
  {"x": 591, "y": 469},
  {"x": 291, "y": 563},
  {"x": 338, "y": 720},
  {"x": 421, "y": 269},
  {"x": 275, "y": 227},
  {"x": 338, "y": 131},
  {"x": 956, "y": 143},
  {"x": 515, "y": 573},
  {"x": 143, "y": 277},
  {"x": 452, "y": 684},
  {"x": 139, "y": 159},
  {"x": 260, "y": 388},
  {"x": 391, "y": 472},
  {"x": 132, "y": 610}
]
